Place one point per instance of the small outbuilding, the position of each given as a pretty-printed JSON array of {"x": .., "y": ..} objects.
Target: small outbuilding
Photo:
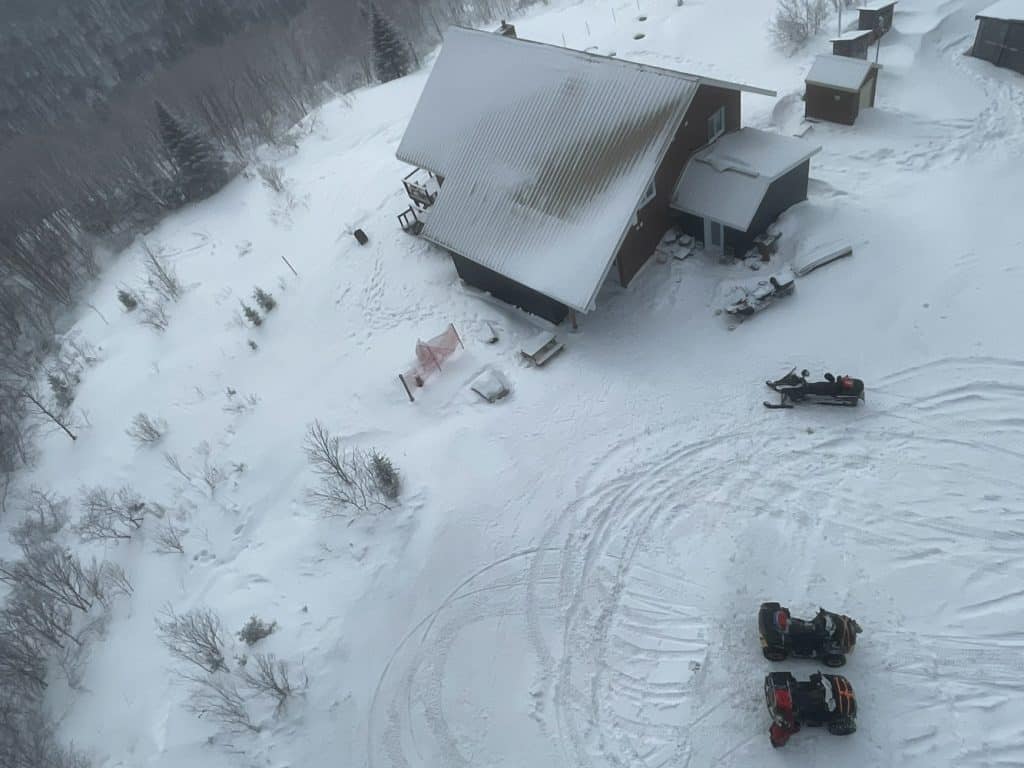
[
  {"x": 1000, "y": 37},
  {"x": 876, "y": 17},
  {"x": 838, "y": 88},
  {"x": 732, "y": 190},
  {"x": 853, "y": 44}
]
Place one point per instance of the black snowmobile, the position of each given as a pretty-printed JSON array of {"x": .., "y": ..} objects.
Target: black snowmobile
[
  {"x": 828, "y": 636},
  {"x": 794, "y": 388},
  {"x": 823, "y": 700}
]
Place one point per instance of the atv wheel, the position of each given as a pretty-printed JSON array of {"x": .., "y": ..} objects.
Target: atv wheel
[
  {"x": 842, "y": 727},
  {"x": 834, "y": 660},
  {"x": 774, "y": 654}
]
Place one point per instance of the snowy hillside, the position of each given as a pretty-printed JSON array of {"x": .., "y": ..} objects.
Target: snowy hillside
[{"x": 572, "y": 575}]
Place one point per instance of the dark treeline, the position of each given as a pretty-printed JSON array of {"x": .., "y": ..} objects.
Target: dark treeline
[{"x": 113, "y": 112}]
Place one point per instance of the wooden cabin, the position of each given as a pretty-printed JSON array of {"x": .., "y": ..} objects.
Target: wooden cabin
[
  {"x": 838, "y": 88},
  {"x": 853, "y": 44},
  {"x": 1000, "y": 37},
  {"x": 876, "y": 17}
]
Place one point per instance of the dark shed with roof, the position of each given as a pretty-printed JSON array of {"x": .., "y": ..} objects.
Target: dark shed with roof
[
  {"x": 1000, "y": 37},
  {"x": 853, "y": 44},
  {"x": 876, "y": 17},
  {"x": 839, "y": 87}
]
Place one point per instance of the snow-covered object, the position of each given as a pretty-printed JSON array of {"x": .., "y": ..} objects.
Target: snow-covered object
[
  {"x": 853, "y": 34},
  {"x": 820, "y": 255},
  {"x": 546, "y": 153},
  {"x": 839, "y": 72},
  {"x": 1004, "y": 10},
  {"x": 490, "y": 385},
  {"x": 728, "y": 180}
]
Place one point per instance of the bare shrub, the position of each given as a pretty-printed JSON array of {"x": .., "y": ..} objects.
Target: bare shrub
[
  {"x": 271, "y": 175},
  {"x": 160, "y": 275},
  {"x": 146, "y": 430},
  {"x": 385, "y": 476},
  {"x": 347, "y": 480},
  {"x": 256, "y": 629},
  {"x": 153, "y": 312},
  {"x": 169, "y": 538},
  {"x": 196, "y": 637},
  {"x": 46, "y": 514},
  {"x": 212, "y": 474},
  {"x": 53, "y": 570},
  {"x": 217, "y": 698},
  {"x": 266, "y": 675},
  {"x": 795, "y": 21},
  {"x": 47, "y": 412},
  {"x": 110, "y": 514},
  {"x": 128, "y": 299},
  {"x": 264, "y": 299},
  {"x": 240, "y": 405}
]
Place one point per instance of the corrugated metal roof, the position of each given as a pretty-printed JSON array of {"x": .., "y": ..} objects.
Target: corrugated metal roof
[
  {"x": 546, "y": 153},
  {"x": 728, "y": 180}
]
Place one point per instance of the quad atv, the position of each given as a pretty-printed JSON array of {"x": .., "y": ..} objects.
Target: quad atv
[
  {"x": 795, "y": 389},
  {"x": 828, "y": 636},
  {"x": 823, "y": 700}
]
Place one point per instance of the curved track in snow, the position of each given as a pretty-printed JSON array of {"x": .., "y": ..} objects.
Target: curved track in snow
[{"x": 639, "y": 602}]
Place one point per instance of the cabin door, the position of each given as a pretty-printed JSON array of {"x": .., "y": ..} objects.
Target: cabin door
[{"x": 712, "y": 236}]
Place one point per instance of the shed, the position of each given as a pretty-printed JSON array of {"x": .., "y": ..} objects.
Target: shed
[
  {"x": 558, "y": 165},
  {"x": 736, "y": 187},
  {"x": 1000, "y": 37},
  {"x": 876, "y": 17},
  {"x": 853, "y": 44},
  {"x": 838, "y": 88}
]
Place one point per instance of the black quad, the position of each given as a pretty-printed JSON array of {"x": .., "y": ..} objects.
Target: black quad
[
  {"x": 823, "y": 700},
  {"x": 828, "y": 636}
]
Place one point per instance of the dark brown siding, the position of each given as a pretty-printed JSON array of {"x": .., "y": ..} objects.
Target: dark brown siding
[
  {"x": 854, "y": 49},
  {"x": 873, "y": 19},
  {"x": 509, "y": 291},
  {"x": 1001, "y": 42},
  {"x": 787, "y": 190},
  {"x": 826, "y": 104},
  {"x": 654, "y": 220}
]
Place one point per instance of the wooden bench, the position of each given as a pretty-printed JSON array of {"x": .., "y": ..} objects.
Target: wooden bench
[{"x": 541, "y": 348}]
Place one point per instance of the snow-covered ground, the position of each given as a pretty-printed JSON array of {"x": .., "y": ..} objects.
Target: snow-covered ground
[{"x": 573, "y": 575}]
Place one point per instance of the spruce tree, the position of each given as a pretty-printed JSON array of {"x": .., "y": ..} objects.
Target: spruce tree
[
  {"x": 201, "y": 170},
  {"x": 390, "y": 50}
]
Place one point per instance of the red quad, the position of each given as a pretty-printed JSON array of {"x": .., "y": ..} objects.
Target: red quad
[{"x": 823, "y": 700}]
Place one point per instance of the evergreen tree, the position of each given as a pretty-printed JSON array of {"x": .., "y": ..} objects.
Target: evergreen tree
[
  {"x": 390, "y": 50},
  {"x": 201, "y": 170}
]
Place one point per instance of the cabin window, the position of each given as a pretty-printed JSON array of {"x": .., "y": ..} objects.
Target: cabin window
[
  {"x": 835, "y": 97},
  {"x": 716, "y": 124}
]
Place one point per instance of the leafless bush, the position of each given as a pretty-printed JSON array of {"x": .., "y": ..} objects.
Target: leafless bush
[
  {"x": 146, "y": 430},
  {"x": 160, "y": 275},
  {"x": 256, "y": 629},
  {"x": 196, "y": 637},
  {"x": 212, "y": 474},
  {"x": 271, "y": 175},
  {"x": 348, "y": 483},
  {"x": 110, "y": 514},
  {"x": 41, "y": 409},
  {"x": 52, "y": 570},
  {"x": 217, "y": 698},
  {"x": 45, "y": 516},
  {"x": 153, "y": 312},
  {"x": 266, "y": 675},
  {"x": 795, "y": 21},
  {"x": 168, "y": 538},
  {"x": 240, "y": 405}
]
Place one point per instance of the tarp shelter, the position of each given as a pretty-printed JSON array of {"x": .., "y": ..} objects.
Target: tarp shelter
[{"x": 1000, "y": 37}]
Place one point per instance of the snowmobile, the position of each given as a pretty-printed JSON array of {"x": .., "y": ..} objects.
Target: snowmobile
[
  {"x": 828, "y": 636},
  {"x": 764, "y": 294},
  {"x": 794, "y": 388},
  {"x": 823, "y": 700}
]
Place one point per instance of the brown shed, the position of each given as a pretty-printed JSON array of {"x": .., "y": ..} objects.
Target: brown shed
[
  {"x": 853, "y": 44},
  {"x": 1000, "y": 37},
  {"x": 876, "y": 17},
  {"x": 838, "y": 88}
]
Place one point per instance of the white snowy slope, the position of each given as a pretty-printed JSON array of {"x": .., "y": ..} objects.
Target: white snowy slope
[{"x": 573, "y": 574}]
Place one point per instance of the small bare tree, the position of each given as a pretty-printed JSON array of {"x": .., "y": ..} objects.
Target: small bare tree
[
  {"x": 146, "y": 430},
  {"x": 108, "y": 514},
  {"x": 213, "y": 474},
  {"x": 795, "y": 21},
  {"x": 271, "y": 175},
  {"x": 45, "y": 516},
  {"x": 169, "y": 538},
  {"x": 348, "y": 481},
  {"x": 266, "y": 675},
  {"x": 52, "y": 570},
  {"x": 217, "y": 698},
  {"x": 196, "y": 637},
  {"x": 153, "y": 312},
  {"x": 41, "y": 408},
  {"x": 160, "y": 275}
]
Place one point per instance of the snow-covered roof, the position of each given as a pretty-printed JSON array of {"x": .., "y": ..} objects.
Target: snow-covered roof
[
  {"x": 877, "y": 6},
  {"x": 728, "y": 180},
  {"x": 853, "y": 34},
  {"x": 1004, "y": 10},
  {"x": 840, "y": 72},
  {"x": 545, "y": 154}
]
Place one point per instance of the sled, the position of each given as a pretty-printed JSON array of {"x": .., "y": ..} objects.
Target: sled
[
  {"x": 764, "y": 294},
  {"x": 541, "y": 348}
]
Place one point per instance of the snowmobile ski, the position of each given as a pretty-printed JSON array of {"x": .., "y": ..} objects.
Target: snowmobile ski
[{"x": 777, "y": 406}]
